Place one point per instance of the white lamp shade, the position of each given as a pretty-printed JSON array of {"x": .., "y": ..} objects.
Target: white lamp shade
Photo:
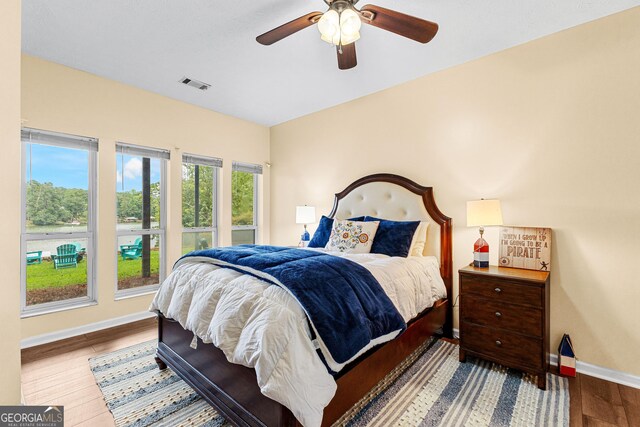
[
  {"x": 349, "y": 26},
  {"x": 329, "y": 27},
  {"x": 484, "y": 213},
  {"x": 305, "y": 214},
  {"x": 340, "y": 28},
  {"x": 345, "y": 40}
]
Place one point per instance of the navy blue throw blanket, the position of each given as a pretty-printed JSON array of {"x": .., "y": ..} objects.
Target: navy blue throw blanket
[{"x": 344, "y": 302}]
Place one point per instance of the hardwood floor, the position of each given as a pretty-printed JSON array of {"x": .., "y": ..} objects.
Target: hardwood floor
[
  {"x": 596, "y": 402},
  {"x": 58, "y": 373}
]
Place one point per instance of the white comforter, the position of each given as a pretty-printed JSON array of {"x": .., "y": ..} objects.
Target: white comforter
[{"x": 262, "y": 326}]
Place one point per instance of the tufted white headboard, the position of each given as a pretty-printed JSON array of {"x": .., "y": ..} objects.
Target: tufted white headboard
[
  {"x": 397, "y": 198},
  {"x": 390, "y": 201}
]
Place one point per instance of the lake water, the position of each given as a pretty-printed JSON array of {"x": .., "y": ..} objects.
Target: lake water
[{"x": 49, "y": 246}]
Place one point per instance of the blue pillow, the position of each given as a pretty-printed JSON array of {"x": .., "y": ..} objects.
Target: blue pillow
[
  {"x": 393, "y": 238},
  {"x": 323, "y": 232}
]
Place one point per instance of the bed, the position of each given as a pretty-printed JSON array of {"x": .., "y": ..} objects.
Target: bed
[{"x": 233, "y": 389}]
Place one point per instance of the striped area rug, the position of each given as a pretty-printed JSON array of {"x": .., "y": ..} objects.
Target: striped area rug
[
  {"x": 430, "y": 388},
  {"x": 438, "y": 390},
  {"x": 138, "y": 394}
]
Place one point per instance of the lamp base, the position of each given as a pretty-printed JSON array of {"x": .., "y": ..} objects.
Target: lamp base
[
  {"x": 481, "y": 253},
  {"x": 304, "y": 238}
]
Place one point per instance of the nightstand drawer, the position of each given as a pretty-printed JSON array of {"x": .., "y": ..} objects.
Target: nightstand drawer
[
  {"x": 504, "y": 317},
  {"x": 502, "y": 290},
  {"x": 501, "y": 345},
  {"x": 486, "y": 312}
]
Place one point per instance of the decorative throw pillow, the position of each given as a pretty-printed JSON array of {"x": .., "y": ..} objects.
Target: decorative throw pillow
[
  {"x": 419, "y": 240},
  {"x": 353, "y": 237},
  {"x": 321, "y": 236},
  {"x": 393, "y": 238}
]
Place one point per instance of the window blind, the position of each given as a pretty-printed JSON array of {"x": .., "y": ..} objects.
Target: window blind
[
  {"x": 136, "y": 150},
  {"x": 202, "y": 160},
  {"x": 247, "y": 167},
  {"x": 58, "y": 139}
]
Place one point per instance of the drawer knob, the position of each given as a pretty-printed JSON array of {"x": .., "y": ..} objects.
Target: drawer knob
[
  {"x": 498, "y": 290},
  {"x": 498, "y": 314},
  {"x": 498, "y": 343}
]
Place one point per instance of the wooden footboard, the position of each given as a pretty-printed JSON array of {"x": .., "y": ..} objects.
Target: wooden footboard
[{"x": 234, "y": 391}]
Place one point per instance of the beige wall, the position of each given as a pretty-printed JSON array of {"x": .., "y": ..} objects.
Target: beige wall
[
  {"x": 62, "y": 99},
  {"x": 550, "y": 127},
  {"x": 10, "y": 190}
]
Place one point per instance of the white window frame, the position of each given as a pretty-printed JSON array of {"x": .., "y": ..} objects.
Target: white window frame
[
  {"x": 37, "y": 136},
  {"x": 216, "y": 164},
  {"x": 256, "y": 170},
  {"x": 163, "y": 156}
]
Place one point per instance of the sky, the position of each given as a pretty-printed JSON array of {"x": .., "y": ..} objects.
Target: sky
[
  {"x": 132, "y": 166},
  {"x": 67, "y": 167}
]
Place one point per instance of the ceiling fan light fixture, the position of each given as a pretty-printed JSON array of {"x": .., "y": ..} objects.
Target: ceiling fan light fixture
[
  {"x": 329, "y": 27},
  {"x": 345, "y": 40},
  {"x": 350, "y": 25},
  {"x": 340, "y": 28}
]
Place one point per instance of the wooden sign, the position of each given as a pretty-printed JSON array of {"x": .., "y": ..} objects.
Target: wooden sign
[{"x": 525, "y": 247}]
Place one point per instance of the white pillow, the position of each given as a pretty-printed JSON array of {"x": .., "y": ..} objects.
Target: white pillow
[
  {"x": 419, "y": 239},
  {"x": 354, "y": 237}
]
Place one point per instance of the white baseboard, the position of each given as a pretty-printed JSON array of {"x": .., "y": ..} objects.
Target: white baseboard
[
  {"x": 84, "y": 329},
  {"x": 612, "y": 375}
]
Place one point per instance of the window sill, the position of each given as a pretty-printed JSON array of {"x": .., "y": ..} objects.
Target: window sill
[
  {"x": 51, "y": 308},
  {"x": 136, "y": 292}
]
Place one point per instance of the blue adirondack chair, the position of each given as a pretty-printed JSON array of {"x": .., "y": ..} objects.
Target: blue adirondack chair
[
  {"x": 131, "y": 251},
  {"x": 67, "y": 256},
  {"x": 34, "y": 257},
  {"x": 80, "y": 250}
]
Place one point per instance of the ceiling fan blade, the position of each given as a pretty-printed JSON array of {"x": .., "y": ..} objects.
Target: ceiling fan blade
[
  {"x": 347, "y": 59},
  {"x": 285, "y": 30},
  {"x": 408, "y": 26}
]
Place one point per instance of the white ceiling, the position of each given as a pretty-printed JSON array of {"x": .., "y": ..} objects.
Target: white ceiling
[{"x": 151, "y": 44}]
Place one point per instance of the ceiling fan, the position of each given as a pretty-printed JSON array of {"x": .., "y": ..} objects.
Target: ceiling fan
[{"x": 340, "y": 26}]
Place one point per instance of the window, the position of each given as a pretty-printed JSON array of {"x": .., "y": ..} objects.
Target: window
[
  {"x": 199, "y": 202},
  {"x": 141, "y": 222},
  {"x": 58, "y": 221},
  {"x": 244, "y": 203}
]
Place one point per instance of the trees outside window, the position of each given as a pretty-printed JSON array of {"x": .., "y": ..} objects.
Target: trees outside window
[
  {"x": 244, "y": 197},
  {"x": 199, "y": 202},
  {"x": 141, "y": 222},
  {"x": 58, "y": 231}
]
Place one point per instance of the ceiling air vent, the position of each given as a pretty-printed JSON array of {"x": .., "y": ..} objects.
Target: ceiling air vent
[{"x": 195, "y": 83}]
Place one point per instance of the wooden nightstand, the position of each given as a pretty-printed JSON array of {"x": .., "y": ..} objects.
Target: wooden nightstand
[{"x": 504, "y": 318}]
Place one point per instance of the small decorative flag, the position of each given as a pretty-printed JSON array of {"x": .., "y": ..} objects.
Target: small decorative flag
[{"x": 566, "y": 357}]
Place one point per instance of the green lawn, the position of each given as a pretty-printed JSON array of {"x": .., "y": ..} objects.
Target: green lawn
[
  {"x": 44, "y": 275},
  {"x": 133, "y": 268}
]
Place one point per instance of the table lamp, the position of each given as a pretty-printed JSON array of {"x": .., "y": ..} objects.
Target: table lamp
[
  {"x": 305, "y": 215},
  {"x": 483, "y": 213}
]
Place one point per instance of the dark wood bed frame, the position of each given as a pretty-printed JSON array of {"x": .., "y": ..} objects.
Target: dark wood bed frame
[{"x": 233, "y": 390}]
